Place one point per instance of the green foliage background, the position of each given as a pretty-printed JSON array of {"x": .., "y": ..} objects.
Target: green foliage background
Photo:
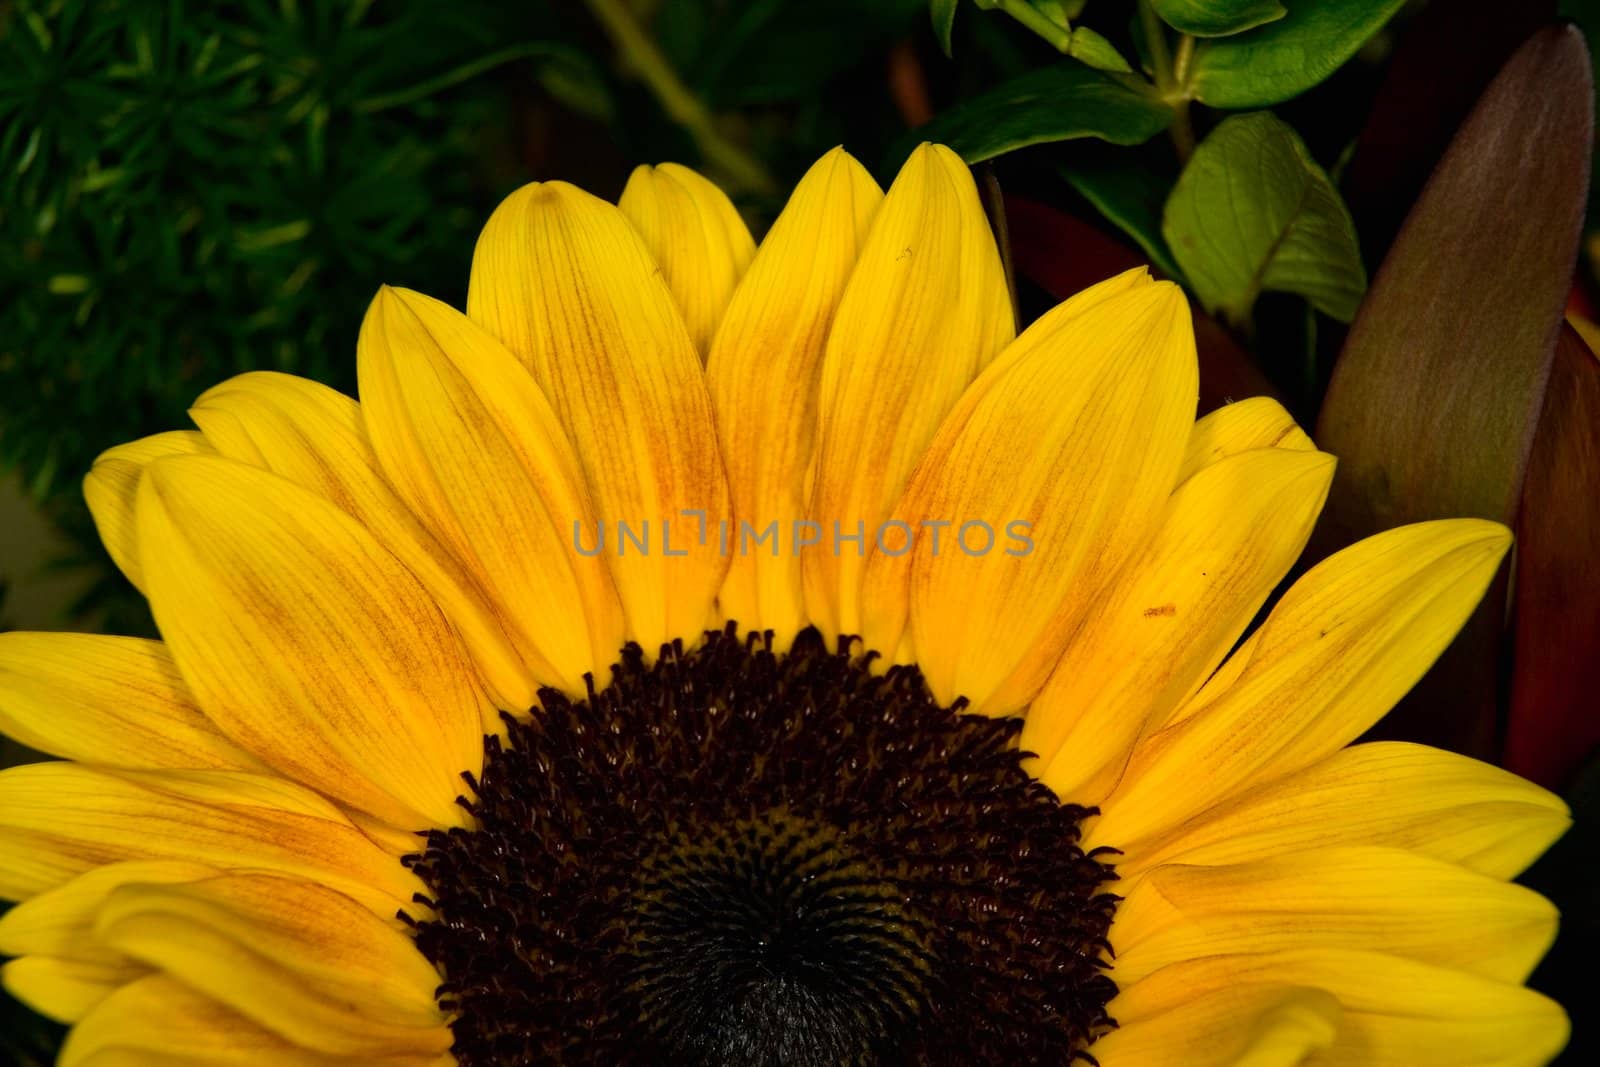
[{"x": 189, "y": 190}]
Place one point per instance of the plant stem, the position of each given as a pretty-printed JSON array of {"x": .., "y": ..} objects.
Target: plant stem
[
  {"x": 1172, "y": 77},
  {"x": 1059, "y": 37},
  {"x": 1182, "y": 130},
  {"x": 1155, "y": 39},
  {"x": 1180, "y": 62},
  {"x": 742, "y": 170}
]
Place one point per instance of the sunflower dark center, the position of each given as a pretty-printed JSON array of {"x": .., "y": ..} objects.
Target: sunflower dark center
[
  {"x": 735, "y": 857},
  {"x": 766, "y": 940}
]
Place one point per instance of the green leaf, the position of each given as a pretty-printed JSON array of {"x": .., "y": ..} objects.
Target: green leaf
[
  {"x": 1283, "y": 59},
  {"x": 943, "y": 13},
  {"x": 1057, "y": 103},
  {"x": 1253, "y": 211},
  {"x": 1217, "y": 18},
  {"x": 1131, "y": 197},
  {"x": 1090, "y": 48}
]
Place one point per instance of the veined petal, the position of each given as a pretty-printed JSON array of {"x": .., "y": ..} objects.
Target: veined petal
[
  {"x": 765, "y": 373},
  {"x": 314, "y": 436},
  {"x": 65, "y": 990},
  {"x": 306, "y": 642},
  {"x": 1397, "y": 1012},
  {"x": 161, "y": 1022},
  {"x": 926, "y": 309},
  {"x": 1259, "y": 1024},
  {"x": 1230, "y": 534},
  {"x": 1389, "y": 793},
  {"x": 63, "y": 819},
  {"x": 112, "y": 484},
  {"x": 1259, "y": 422},
  {"x": 472, "y": 444},
  {"x": 564, "y": 281},
  {"x": 696, "y": 234},
  {"x": 1228, "y": 672},
  {"x": 1377, "y": 899},
  {"x": 299, "y": 959},
  {"x": 885, "y": 602},
  {"x": 60, "y": 922},
  {"x": 270, "y": 791},
  {"x": 1063, "y": 462},
  {"x": 1339, "y": 649},
  {"x": 113, "y": 700}
]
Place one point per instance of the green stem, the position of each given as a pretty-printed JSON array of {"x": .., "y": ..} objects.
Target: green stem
[
  {"x": 1155, "y": 39},
  {"x": 1172, "y": 77},
  {"x": 1182, "y": 130},
  {"x": 742, "y": 170},
  {"x": 1059, "y": 37},
  {"x": 1180, "y": 62}
]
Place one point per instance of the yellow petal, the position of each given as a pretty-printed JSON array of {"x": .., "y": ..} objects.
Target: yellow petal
[
  {"x": 222, "y": 788},
  {"x": 307, "y": 643},
  {"x": 472, "y": 444},
  {"x": 1061, "y": 460},
  {"x": 63, "y": 819},
  {"x": 60, "y": 922},
  {"x": 314, "y": 436},
  {"x": 765, "y": 373},
  {"x": 160, "y": 1022},
  {"x": 1397, "y": 1012},
  {"x": 1260, "y": 1024},
  {"x": 885, "y": 600},
  {"x": 926, "y": 309},
  {"x": 564, "y": 281},
  {"x": 1228, "y": 672},
  {"x": 65, "y": 990},
  {"x": 112, "y": 484},
  {"x": 113, "y": 700},
  {"x": 1378, "y": 899},
  {"x": 1259, "y": 422},
  {"x": 1388, "y": 793},
  {"x": 1230, "y": 534},
  {"x": 696, "y": 234},
  {"x": 1339, "y": 649},
  {"x": 298, "y": 959}
]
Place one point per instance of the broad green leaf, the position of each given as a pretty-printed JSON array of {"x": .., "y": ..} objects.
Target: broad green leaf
[
  {"x": 943, "y": 13},
  {"x": 1056, "y": 103},
  {"x": 1253, "y": 211},
  {"x": 1131, "y": 197},
  {"x": 1217, "y": 18},
  {"x": 1283, "y": 59}
]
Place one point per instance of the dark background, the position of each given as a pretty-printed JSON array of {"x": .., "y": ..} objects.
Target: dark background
[{"x": 190, "y": 190}]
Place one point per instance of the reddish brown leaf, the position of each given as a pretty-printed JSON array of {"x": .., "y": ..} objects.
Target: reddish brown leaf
[
  {"x": 1444, "y": 61},
  {"x": 1064, "y": 255},
  {"x": 1434, "y": 399},
  {"x": 1555, "y": 690}
]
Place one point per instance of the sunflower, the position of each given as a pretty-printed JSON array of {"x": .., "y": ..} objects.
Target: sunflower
[{"x": 701, "y": 654}]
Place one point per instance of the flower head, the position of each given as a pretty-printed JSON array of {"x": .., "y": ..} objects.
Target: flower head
[{"x": 701, "y": 654}]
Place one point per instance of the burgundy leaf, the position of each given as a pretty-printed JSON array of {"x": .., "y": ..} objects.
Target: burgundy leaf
[
  {"x": 1555, "y": 690},
  {"x": 1445, "y": 59},
  {"x": 1436, "y": 394}
]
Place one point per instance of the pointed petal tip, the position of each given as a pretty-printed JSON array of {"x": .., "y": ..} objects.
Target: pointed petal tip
[{"x": 552, "y": 194}]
